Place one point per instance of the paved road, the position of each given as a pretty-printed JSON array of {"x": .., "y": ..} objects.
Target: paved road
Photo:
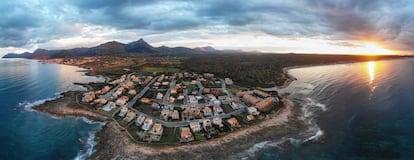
[
  {"x": 167, "y": 94},
  {"x": 141, "y": 93},
  {"x": 185, "y": 92}
]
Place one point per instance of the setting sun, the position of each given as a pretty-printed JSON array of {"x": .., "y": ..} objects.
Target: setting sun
[{"x": 372, "y": 48}]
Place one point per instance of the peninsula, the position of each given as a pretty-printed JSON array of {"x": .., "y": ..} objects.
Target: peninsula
[{"x": 161, "y": 101}]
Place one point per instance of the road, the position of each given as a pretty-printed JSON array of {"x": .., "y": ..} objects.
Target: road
[
  {"x": 109, "y": 94},
  {"x": 167, "y": 94},
  {"x": 184, "y": 123},
  {"x": 141, "y": 93}
]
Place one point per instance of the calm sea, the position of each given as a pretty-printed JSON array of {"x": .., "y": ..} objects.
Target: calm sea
[
  {"x": 25, "y": 134},
  {"x": 363, "y": 111}
]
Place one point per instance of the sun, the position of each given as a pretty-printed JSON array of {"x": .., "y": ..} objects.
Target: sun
[{"x": 372, "y": 48}]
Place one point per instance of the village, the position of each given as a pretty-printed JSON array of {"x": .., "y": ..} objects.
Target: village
[{"x": 179, "y": 107}]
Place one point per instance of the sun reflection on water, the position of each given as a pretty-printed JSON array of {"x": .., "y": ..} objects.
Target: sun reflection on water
[
  {"x": 371, "y": 66},
  {"x": 371, "y": 71}
]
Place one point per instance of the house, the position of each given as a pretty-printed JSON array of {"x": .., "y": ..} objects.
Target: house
[
  {"x": 140, "y": 119},
  {"x": 128, "y": 85},
  {"x": 195, "y": 127},
  {"x": 250, "y": 117},
  {"x": 228, "y": 81},
  {"x": 218, "y": 121},
  {"x": 88, "y": 97},
  {"x": 147, "y": 124},
  {"x": 180, "y": 96},
  {"x": 235, "y": 105},
  {"x": 251, "y": 99},
  {"x": 175, "y": 115},
  {"x": 105, "y": 89},
  {"x": 123, "y": 112},
  {"x": 100, "y": 101},
  {"x": 130, "y": 116},
  {"x": 211, "y": 97},
  {"x": 159, "y": 95},
  {"x": 233, "y": 122},
  {"x": 165, "y": 114},
  {"x": 122, "y": 100},
  {"x": 155, "y": 105},
  {"x": 109, "y": 106},
  {"x": 117, "y": 93},
  {"x": 217, "y": 109},
  {"x": 207, "y": 124},
  {"x": 145, "y": 100},
  {"x": 132, "y": 92},
  {"x": 165, "y": 83},
  {"x": 156, "y": 132},
  {"x": 174, "y": 90},
  {"x": 171, "y": 100},
  {"x": 252, "y": 111},
  {"x": 207, "y": 111},
  {"x": 261, "y": 94},
  {"x": 192, "y": 99},
  {"x": 156, "y": 84},
  {"x": 206, "y": 90},
  {"x": 196, "y": 113},
  {"x": 216, "y": 102},
  {"x": 266, "y": 104},
  {"x": 186, "y": 135}
]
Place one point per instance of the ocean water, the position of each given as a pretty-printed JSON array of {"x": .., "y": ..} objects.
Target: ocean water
[
  {"x": 360, "y": 110},
  {"x": 26, "y": 134}
]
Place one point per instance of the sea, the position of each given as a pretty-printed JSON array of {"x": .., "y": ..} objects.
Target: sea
[
  {"x": 361, "y": 111},
  {"x": 29, "y": 135}
]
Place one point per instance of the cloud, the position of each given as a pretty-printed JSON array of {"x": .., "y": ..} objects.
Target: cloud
[{"x": 26, "y": 23}]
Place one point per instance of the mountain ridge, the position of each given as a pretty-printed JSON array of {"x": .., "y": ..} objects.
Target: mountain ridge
[{"x": 112, "y": 48}]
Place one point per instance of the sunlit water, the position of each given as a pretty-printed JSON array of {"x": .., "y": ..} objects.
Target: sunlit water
[
  {"x": 25, "y": 134},
  {"x": 364, "y": 111}
]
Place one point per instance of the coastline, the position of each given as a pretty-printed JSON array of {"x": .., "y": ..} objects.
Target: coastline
[
  {"x": 64, "y": 107},
  {"x": 112, "y": 142}
]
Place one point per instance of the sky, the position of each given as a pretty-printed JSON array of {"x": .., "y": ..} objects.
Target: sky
[{"x": 279, "y": 26}]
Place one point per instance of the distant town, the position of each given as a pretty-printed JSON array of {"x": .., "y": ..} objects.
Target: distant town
[{"x": 181, "y": 107}]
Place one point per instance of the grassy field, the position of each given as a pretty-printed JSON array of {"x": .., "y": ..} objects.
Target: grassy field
[{"x": 160, "y": 69}]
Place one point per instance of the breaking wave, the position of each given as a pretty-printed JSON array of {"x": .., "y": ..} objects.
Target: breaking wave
[
  {"x": 88, "y": 147},
  {"x": 28, "y": 105}
]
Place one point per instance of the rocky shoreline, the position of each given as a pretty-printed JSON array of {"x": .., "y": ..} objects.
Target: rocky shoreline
[
  {"x": 113, "y": 143},
  {"x": 66, "y": 106}
]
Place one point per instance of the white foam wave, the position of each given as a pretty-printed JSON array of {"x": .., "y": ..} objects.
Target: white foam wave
[
  {"x": 317, "y": 135},
  {"x": 28, "y": 105},
  {"x": 88, "y": 148},
  {"x": 312, "y": 103},
  {"x": 89, "y": 121}
]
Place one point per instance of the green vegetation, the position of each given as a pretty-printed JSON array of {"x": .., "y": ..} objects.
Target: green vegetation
[
  {"x": 227, "y": 108},
  {"x": 160, "y": 69},
  {"x": 262, "y": 70}
]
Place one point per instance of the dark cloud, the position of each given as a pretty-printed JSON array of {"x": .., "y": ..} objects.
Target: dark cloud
[
  {"x": 386, "y": 21},
  {"x": 14, "y": 24}
]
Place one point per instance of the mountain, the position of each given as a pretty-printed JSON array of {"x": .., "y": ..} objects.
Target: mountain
[
  {"x": 15, "y": 55},
  {"x": 206, "y": 49},
  {"x": 140, "y": 46},
  {"x": 113, "y": 48}
]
